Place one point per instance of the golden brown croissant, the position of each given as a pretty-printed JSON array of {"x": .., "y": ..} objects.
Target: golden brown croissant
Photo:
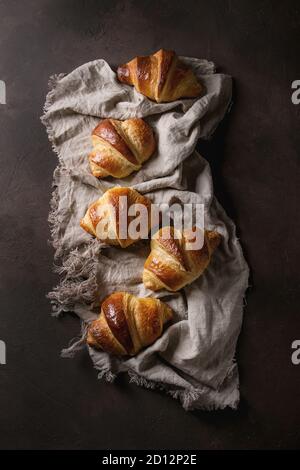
[
  {"x": 171, "y": 265},
  {"x": 160, "y": 77},
  {"x": 120, "y": 147},
  {"x": 128, "y": 323},
  {"x": 107, "y": 218}
]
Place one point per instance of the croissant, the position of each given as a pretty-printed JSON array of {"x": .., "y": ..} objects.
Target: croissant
[
  {"x": 120, "y": 147},
  {"x": 108, "y": 220},
  {"x": 171, "y": 264},
  {"x": 160, "y": 77},
  {"x": 127, "y": 324}
]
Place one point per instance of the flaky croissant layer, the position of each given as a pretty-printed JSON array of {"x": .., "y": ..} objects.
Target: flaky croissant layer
[
  {"x": 120, "y": 147},
  {"x": 173, "y": 262},
  {"x": 162, "y": 77},
  {"x": 128, "y": 323}
]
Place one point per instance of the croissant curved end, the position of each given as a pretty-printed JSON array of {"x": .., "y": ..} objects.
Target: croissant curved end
[
  {"x": 91, "y": 341},
  {"x": 214, "y": 239},
  {"x": 123, "y": 74},
  {"x": 150, "y": 281},
  {"x": 147, "y": 281},
  {"x": 86, "y": 226},
  {"x": 167, "y": 313}
]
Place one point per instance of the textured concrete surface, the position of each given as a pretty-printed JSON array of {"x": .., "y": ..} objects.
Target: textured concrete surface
[{"x": 49, "y": 402}]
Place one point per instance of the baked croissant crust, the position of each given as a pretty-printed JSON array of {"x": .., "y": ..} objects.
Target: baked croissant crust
[
  {"x": 120, "y": 147},
  {"x": 162, "y": 77},
  {"x": 128, "y": 323},
  {"x": 171, "y": 265},
  {"x": 108, "y": 217}
]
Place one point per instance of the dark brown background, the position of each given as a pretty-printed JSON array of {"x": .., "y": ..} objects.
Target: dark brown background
[{"x": 49, "y": 402}]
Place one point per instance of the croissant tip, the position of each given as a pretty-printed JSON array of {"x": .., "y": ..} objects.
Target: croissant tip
[
  {"x": 123, "y": 73},
  {"x": 169, "y": 313},
  {"x": 214, "y": 239},
  {"x": 90, "y": 340},
  {"x": 165, "y": 51}
]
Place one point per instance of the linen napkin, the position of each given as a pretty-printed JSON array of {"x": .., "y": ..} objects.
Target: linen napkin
[{"x": 194, "y": 358}]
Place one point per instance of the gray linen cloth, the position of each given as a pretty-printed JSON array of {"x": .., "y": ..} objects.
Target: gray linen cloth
[{"x": 194, "y": 358}]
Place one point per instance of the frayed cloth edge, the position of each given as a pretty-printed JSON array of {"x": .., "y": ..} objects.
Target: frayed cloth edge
[
  {"x": 54, "y": 201},
  {"x": 82, "y": 279},
  {"x": 187, "y": 397},
  {"x": 76, "y": 344}
]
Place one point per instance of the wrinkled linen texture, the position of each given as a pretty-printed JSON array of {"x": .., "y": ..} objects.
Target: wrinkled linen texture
[{"x": 194, "y": 358}]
